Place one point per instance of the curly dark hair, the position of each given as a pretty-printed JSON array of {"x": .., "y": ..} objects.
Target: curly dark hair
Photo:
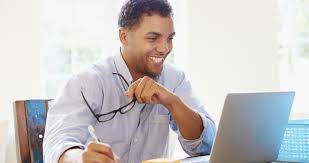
[{"x": 132, "y": 11}]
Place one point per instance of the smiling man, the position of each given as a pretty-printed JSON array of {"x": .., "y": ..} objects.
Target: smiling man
[{"x": 130, "y": 98}]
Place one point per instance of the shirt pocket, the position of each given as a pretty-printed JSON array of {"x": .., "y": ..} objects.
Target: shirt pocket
[{"x": 157, "y": 138}]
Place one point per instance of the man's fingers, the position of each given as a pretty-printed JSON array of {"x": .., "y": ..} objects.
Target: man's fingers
[
  {"x": 141, "y": 87},
  {"x": 148, "y": 92},
  {"x": 91, "y": 156},
  {"x": 116, "y": 158},
  {"x": 131, "y": 89},
  {"x": 143, "y": 90},
  {"x": 101, "y": 148}
]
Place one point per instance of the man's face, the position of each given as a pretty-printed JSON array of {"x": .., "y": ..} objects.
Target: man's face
[{"x": 149, "y": 43}]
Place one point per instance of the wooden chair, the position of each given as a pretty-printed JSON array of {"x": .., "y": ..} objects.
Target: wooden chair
[{"x": 30, "y": 119}]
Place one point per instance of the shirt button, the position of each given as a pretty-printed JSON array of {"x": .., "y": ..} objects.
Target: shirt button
[{"x": 135, "y": 140}]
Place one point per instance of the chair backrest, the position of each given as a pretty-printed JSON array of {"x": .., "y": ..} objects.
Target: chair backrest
[{"x": 30, "y": 119}]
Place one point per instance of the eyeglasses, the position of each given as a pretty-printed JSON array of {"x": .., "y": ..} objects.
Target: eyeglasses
[{"x": 110, "y": 115}]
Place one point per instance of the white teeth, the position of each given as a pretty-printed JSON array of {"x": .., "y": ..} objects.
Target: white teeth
[{"x": 156, "y": 59}]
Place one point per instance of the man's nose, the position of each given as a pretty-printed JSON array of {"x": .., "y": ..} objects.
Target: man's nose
[{"x": 163, "y": 47}]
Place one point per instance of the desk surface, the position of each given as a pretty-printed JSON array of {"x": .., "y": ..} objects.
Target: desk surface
[{"x": 205, "y": 159}]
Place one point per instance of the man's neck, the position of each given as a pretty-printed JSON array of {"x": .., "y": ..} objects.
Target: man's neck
[{"x": 132, "y": 69}]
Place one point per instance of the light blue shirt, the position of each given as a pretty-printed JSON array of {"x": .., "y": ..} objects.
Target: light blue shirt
[{"x": 140, "y": 134}]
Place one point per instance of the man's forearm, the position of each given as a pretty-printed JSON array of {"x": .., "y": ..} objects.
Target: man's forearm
[
  {"x": 189, "y": 122},
  {"x": 72, "y": 155}
]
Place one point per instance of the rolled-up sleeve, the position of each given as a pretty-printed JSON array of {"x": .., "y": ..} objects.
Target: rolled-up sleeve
[
  {"x": 202, "y": 145},
  {"x": 69, "y": 117}
]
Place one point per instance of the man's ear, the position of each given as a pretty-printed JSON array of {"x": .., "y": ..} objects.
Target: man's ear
[{"x": 123, "y": 35}]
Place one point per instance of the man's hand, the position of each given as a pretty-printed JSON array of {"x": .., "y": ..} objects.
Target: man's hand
[
  {"x": 99, "y": 152},
  {"x": 94, "y": 153},
  {"x": 146, "y": 90}
]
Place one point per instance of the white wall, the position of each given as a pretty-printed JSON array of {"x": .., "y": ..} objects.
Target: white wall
[
  {"x": 232, "y": 48},
  {"x": 19, "y": 58}
]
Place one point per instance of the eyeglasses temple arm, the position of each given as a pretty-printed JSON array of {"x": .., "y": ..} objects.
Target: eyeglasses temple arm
[
  {"x": 121, "y": 77},
  {"x": 88, "y": 105}
]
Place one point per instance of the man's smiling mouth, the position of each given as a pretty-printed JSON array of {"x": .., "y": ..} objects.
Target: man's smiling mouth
[{"x": 156, "y": 59}]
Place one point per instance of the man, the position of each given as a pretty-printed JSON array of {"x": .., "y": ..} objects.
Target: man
[{"x": 130, "y": 99}]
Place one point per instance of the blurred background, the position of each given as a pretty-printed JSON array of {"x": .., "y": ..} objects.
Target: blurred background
[{"x": 224, "y": 46}]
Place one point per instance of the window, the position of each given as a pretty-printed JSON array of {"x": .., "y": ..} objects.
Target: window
[
  {"x": 75, "y": 33},
  {"x": 294, "y": 51}
]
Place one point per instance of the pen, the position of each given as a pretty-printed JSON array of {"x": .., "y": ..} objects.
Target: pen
[
  {"x": 94, "y": 136},
  {"x": 92, "y": 133}
]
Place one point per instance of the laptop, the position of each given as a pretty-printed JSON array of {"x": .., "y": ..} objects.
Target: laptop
[{"x": 251, "y": 128}]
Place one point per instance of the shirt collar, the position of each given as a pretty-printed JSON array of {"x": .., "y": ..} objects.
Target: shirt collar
[{"x": 122, "y": 68}]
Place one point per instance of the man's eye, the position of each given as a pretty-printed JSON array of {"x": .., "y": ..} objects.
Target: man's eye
[
  {"x": 171, "y": 38},
  {"x": 152, "y": 38}
]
